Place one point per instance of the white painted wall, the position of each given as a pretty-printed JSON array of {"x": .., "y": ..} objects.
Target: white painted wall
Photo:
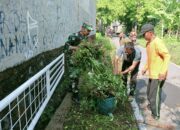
[{"x": 30, "y": 27}]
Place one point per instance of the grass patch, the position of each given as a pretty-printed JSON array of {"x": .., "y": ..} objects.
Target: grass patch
[
  {"x": 80, "y": 119},
  {"x": 173, "y": 46}
]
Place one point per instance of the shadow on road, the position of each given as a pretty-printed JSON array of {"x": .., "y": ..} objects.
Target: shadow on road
[
  {"x": 170, "y": 109},
  {"x": 170, "y": 93}
]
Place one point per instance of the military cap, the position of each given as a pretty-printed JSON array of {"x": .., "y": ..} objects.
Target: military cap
[{"x": 87, "y": 26}]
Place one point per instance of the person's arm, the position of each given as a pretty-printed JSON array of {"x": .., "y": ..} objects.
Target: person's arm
[
  {"x": 131, "y": 68},
  {"x": 116, "y": 61},
  {"x": 144, "y": 68},
  {"x": 70, "y": 43},
  {"x": 164, "y": 54},
  {"x": 73, "y": 47},
  {"x": 136, "y": 61}
]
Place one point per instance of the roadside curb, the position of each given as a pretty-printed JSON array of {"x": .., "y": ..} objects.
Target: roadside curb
[
  {"x": 58, "y": 118},
  {"x": 138, "y": 115}
]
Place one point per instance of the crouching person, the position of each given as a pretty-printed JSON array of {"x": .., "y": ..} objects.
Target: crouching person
[{"x": 131, "y": 56}]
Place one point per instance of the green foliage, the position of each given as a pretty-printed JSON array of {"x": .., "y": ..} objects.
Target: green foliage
[
  {"x": 80, "y": 119},
  {"x": 101, "y": 83},
  {"x": 87, "y": 104},
  {"x": 93, "y": 60},
  {"x": 100, "y": 50},
  {"x": 105, "y": 84},
  {"x": 109, "y": 10},
  {"x": 138, "y": 12},
  {"x": 86, "y": 52},
  {"x": 98, "y": 79}
]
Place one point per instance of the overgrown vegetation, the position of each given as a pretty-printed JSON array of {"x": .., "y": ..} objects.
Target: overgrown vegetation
[
  {"x": 92, "y": 61},
  {"x": 97, "y": 81}
]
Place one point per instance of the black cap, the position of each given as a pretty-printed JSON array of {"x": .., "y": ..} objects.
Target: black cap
[{"x": 146, "y": 28}]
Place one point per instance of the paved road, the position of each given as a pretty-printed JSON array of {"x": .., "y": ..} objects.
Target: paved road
[{"x": 170, "y": 108}]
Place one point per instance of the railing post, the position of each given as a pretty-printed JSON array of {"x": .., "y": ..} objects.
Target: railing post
[
  {"x": 48, "y": 82},
  {"x": 0, "y": 126},
  {"x": 63, "y": 62},
  {"x": 63, "y": 58}
]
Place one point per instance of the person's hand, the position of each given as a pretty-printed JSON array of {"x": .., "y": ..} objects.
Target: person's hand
[
  {"x": 120, "y": 72},
  {"x": 123, "y": 72},
  {"x": 74, "y": 48},
  {"x": 162, "y": 76},
  {"x": 143, "y": 72}
]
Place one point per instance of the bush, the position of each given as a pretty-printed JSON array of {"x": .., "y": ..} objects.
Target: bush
[{"x": 93, "y": 63}]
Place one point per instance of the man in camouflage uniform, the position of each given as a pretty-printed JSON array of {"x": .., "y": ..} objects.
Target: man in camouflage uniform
[
  {"x": 75, "y": 39},
  {"x": 71, "y": 45}
]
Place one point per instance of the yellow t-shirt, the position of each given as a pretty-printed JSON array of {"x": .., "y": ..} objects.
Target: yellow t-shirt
[{"x": 158, "y": 58}]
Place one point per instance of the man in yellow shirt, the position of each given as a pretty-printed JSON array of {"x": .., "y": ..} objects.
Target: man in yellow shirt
[{"x": 158, "y": 59}]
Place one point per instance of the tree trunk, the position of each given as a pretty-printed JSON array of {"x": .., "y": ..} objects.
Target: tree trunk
[
  {"x": 162, "y": 31},
  {"x": 177, "y": 34},
  {"x": 169, "y": 32},
  {"x": 135, "y": 28}
]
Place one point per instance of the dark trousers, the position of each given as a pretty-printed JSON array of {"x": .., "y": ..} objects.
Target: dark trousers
[
  {"x": 73, "y": 76},
  {"x": 133, "y": 78},
  {"x": 154, "y": 90}
]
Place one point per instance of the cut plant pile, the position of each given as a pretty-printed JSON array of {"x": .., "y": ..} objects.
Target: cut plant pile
[
  {"x": 92, "y": 65},
  {"x": 80, "y": 119}
]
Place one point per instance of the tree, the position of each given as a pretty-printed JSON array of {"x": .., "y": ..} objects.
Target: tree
[{"x": 134, "y": 13}]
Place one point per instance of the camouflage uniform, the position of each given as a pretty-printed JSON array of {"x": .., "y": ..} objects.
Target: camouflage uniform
[{"x": 74, "y": 40}]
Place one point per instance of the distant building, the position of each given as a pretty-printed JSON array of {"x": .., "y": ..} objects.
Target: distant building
[{"x": 117, "y": 27}]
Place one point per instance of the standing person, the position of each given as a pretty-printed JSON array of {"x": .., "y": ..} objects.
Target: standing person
[
  {"x": 157, "y": 65},
  {"x": 131, "y": 60},
  {"x": 70, "y": 46},
  {"x": 122, "y": 36},
  {"x": 133, "y": 37},
  {"x": 109, "y": 32}
]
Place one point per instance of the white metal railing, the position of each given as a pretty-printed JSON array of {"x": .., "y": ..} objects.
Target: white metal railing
[{"x": 23, "y": 107}]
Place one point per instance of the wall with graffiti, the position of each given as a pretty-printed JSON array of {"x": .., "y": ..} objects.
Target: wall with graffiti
[{"x": 30, "y": 27}]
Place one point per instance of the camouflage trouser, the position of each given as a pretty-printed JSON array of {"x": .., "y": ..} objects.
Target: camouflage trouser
[
  {"x": 74, "y": 80},
  {"x": 75, "y": 89}
]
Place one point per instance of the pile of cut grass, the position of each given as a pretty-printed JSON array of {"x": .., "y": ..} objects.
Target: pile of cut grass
[{"x": 79, "y": 119}]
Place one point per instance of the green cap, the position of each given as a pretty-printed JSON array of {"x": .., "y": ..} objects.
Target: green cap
[{"x": 87, "y": 26}]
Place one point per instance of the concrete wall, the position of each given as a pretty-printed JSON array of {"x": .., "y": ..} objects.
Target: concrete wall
[{"x": 30, "y": 27}]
